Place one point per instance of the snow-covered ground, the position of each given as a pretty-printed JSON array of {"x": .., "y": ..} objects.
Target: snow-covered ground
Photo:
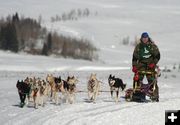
[{"x": 115, "y": 19}]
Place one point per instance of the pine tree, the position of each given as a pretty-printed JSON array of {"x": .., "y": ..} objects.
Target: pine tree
[
  {"x": 15, "y": 17},
  {"x": 1, "y": 38},
  {"x": 45, "y": 49},
  {"x": 65, "y": 49},
  {"x": 12, "y": 38},
  {"x": 9, "y": 38},
  {"x": 49, "y": 42}
]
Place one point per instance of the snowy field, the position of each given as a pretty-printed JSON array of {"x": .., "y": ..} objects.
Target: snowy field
[{"x": 115, "y": 19}]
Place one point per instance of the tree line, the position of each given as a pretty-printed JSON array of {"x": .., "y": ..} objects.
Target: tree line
[{"x": 27, "y": 34}]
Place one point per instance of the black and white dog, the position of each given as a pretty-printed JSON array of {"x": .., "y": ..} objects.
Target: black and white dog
[
  {"x": 70, "y": 89},
  {"x": 115, "y": 84}
]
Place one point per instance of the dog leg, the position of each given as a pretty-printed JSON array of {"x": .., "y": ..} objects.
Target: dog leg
[
  {"x": 90, "y": 95},
  {"x": 45, "y": 99},
  {"x": 49, "y": 91},
  {"x": 66, "y": 97},
  {"x": 27, "y": 100},
  {"x": 95, "y": 95},
  {"x": 56, "y": 98},
  {"x": 38, "y": 99},
  {"x": 117, "y": 95},
  {"x": 99, "y": 88},
  {"x": 35, "y": 102},
  {"x": 74, "y": 97},
  {"x": 52, "y": 96},
  {"x": 42, "y": 100},
  {"x": 71, "y": 99},
  {"x": 30, "y": 97},
  {"x": 111, "y": 94}
]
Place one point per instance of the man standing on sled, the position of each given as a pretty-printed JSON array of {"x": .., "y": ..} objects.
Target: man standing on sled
[{"x": 146, "y": 55}]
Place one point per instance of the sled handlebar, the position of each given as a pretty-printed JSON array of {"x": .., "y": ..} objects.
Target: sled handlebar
[{"x": 146, "y": 72}]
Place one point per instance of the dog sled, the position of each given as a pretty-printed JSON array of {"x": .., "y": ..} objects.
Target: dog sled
[{"x": 140, "y": 91}]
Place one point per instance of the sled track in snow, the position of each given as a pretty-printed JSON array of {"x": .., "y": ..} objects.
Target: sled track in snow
[{"x": 67, "y": 114}]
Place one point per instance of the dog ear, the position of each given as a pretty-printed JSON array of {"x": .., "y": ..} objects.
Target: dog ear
[
  {"x": 110, "y": 75},
  {"x": 68, "y": 78}
]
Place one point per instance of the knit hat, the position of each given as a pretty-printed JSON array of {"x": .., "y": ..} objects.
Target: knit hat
[{"x": 144, "y": 35}]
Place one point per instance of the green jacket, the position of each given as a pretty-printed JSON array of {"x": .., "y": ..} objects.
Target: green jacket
[{"x": 145, "y": 54}]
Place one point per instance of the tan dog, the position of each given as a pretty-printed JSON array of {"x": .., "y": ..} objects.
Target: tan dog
[
  {"x": 35, "y": 93},
  {"x": 38, "y": 91},
  {"x": 51, "y": 88},
  {"x": 43, "y": 92},
  {"x": 93, "y": 87},
  {"x": 56, "y": 85}
]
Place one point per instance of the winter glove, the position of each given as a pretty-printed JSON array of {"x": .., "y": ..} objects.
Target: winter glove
[
  {"x": 136, "y": 77},
  {"x": 134, "y": 69},
  {"x": 151, "y": 65}
]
